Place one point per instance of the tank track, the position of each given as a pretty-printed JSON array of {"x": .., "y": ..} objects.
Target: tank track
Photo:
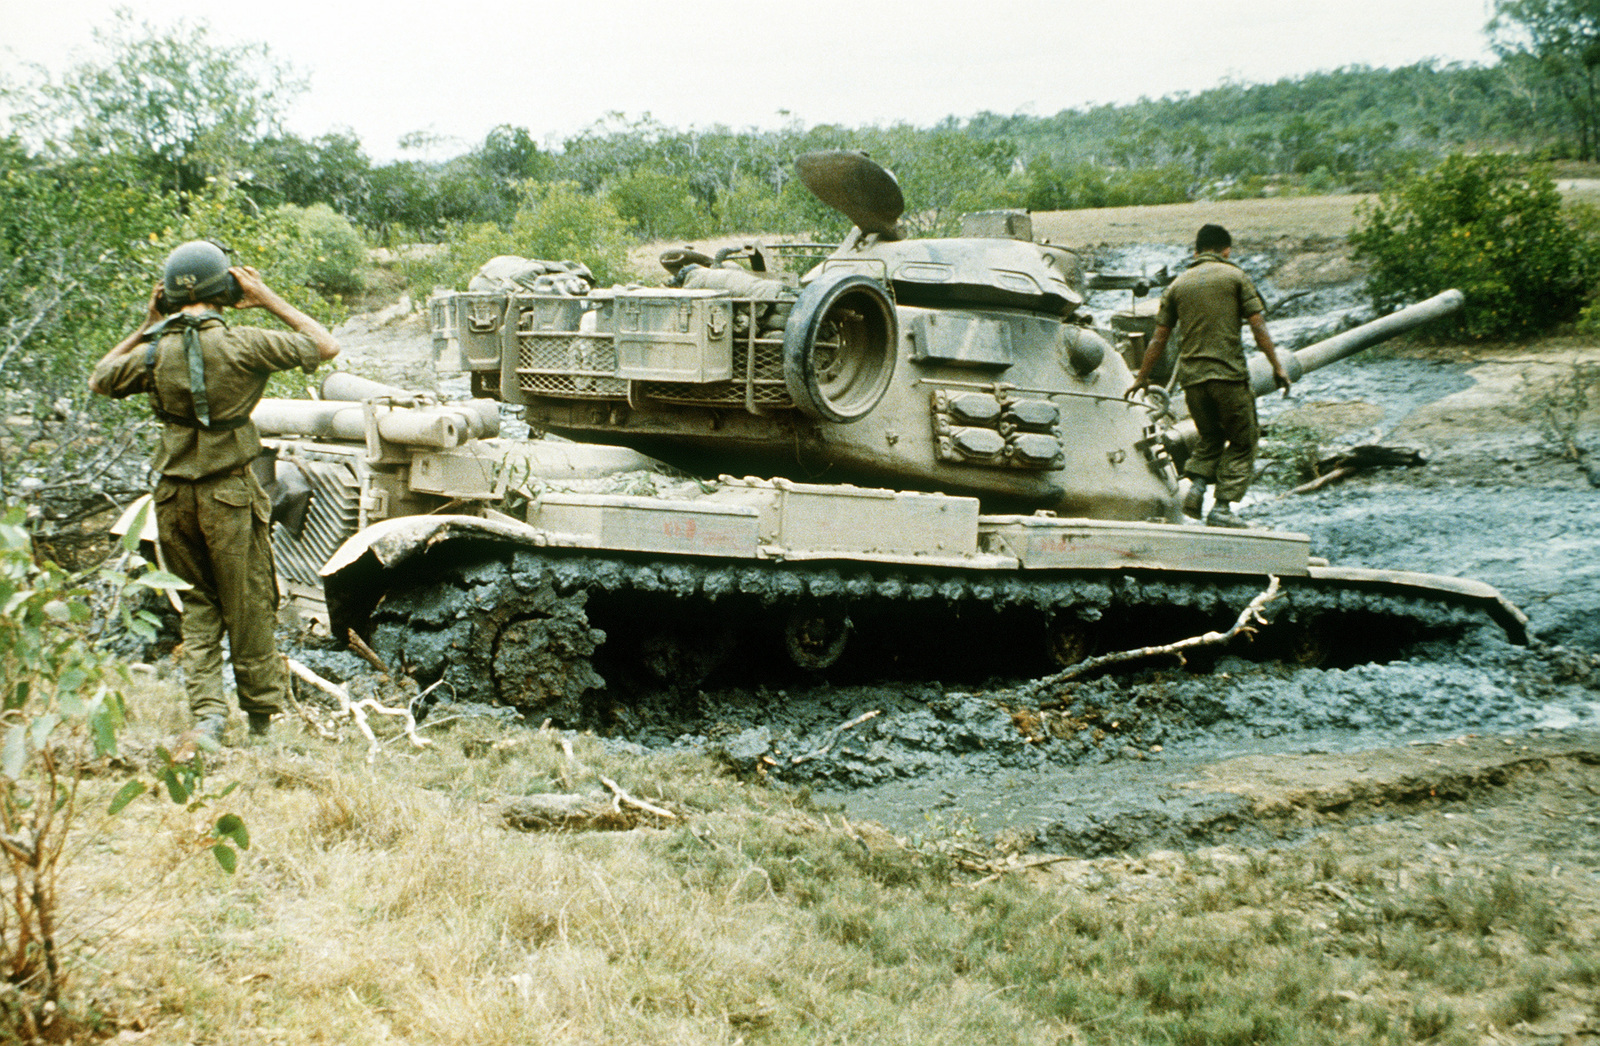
[{"x": 566, "y": 634}]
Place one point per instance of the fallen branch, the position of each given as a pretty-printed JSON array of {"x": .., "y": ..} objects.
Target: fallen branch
[
  {"x": 623, "y": 798},
  {"x": 1362, "y": 456},
  {"x": 1249, "y": 619},
  {"x": 368, "y": 654},
  {"x": 1323, "y": 480},
  {"x": 1021, "y": 866},
  {"x": 834, "y": 735},
  {"x": 357, "y": 710},
  {"x": 566, "y": 812}
]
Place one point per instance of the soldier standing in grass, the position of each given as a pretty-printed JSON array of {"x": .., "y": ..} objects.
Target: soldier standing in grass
[
  {"x": 204, "y": 378},
  {"x": 1211, "y": 300}
]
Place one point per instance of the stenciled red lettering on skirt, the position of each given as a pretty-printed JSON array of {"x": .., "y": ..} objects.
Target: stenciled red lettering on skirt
[{"x": 682, "y": 529}]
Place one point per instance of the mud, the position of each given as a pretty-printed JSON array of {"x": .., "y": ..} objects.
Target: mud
[{"x": 1173, "y": 757}]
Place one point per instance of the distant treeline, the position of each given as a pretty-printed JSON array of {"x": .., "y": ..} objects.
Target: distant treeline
[
  {"x": 174, "y": 110},
  {"x": 1347, "y": 130}
]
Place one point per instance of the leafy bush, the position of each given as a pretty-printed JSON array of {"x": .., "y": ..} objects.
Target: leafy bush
[
  {"x": 1492, "y": 226},
  {"x": 656, "y": 206},
  {"x": 331, "y": 249},
  {"x": 60, "y": 714},
  {"x": 555, "y": 220}
]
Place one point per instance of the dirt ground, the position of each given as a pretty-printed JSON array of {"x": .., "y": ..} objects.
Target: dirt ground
[{"x": 1418, "y": 775}]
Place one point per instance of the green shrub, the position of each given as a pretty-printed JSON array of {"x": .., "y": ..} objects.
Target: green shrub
[
  {"x": 1492, "y": 226},
  {"x": 559, "y": 221},
  {"x": 60, "y": 717},
  {"x": 556, "y": 221},
  {"x": 656, "y": 206},
  {"x": 332, "y": 251}
]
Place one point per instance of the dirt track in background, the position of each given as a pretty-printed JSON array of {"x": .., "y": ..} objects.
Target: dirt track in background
[{"x": 1250, "y": 221}]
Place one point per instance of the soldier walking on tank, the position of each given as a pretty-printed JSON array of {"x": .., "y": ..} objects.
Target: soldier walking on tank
[
  {"x": 1211, "y": 300},
  {"x": 204, "y": 377}
]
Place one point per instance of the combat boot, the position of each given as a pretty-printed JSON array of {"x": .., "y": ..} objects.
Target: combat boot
[
  {"x": 1222, "y": 516},
  {"x": 1194, "y": 502},
  {"x": 260, "y": 724}
]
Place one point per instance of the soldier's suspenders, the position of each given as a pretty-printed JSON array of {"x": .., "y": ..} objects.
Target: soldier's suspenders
[{"x": 191, "y": 326}]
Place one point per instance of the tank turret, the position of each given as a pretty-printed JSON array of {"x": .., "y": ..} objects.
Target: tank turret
[{"x": 963, "y": 365}]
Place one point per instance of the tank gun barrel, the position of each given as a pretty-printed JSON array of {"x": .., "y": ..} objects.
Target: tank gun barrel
[
  {"x": 1331, "y": 350},
  {"x": 426, "y": 425},
  {"x": 1341, "y": 346}
]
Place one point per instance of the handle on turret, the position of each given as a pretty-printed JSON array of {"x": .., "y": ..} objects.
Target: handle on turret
[{"x": 1331, "y": 350}]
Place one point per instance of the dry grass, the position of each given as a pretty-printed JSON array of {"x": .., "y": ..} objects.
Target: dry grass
[
  {"x": 389, "y": 903},
  {"x": 1250, "y": 221}
]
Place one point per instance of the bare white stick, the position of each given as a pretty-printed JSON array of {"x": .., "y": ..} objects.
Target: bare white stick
[
  {"x": 1249, "y": 618},
  {"x": 834, "y": 735},
  {"x": 1038, "y": 862},
  {"x": 357, "y": 710},
  {"x": 624, "y": 797}
]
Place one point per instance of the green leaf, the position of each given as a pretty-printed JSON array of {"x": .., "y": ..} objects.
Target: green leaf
[
  {"x": 226, "y": 856},
  {"x": 125, "y": 795},
  {"x": 104, "y": 725},
  {"x": 130, "y": 540},
  {"x": 72, "y": 703},
  {"x": 19, "y": 696},
  {"x": 163, "y": 580},
  {"x": 231, "y": 826},
  {"x": 43, "y": 727},
  {"x": 175, "y": 787},
  {"x": 14, "y": 755}
]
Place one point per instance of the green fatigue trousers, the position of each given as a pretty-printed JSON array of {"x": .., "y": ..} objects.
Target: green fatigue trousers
[
  {"x": 1224, "y": 414},
  {"x": 214, "y": 535}
]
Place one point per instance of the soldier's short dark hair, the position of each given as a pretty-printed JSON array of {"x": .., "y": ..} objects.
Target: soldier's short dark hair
[{"x": 1212, "y": 238}]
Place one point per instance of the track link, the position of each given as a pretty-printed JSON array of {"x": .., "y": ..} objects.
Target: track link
[{"x": 564, "y": 634}]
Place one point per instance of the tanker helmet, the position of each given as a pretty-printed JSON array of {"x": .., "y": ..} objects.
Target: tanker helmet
[{"x": 198, "y": 271}]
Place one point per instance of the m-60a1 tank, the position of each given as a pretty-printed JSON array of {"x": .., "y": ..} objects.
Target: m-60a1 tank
[{"x": 914, "y": 458}]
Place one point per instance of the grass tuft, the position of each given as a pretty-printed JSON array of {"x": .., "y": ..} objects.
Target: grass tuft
[{"x": 391, "y": 903}]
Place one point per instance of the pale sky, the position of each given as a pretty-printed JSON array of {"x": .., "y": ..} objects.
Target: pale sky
[{"x": 458, "y": 69}]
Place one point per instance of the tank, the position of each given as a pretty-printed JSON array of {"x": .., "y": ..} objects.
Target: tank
[{"x": 903, "y": 457}]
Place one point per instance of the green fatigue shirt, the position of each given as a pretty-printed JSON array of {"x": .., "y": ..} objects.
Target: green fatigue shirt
[
  {"x": 1209, "y": 302},
  {"x": 238, "y": 362}
]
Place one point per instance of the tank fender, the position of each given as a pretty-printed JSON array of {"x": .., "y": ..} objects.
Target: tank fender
[
  {"x": 393, "y": 541},
  {"x": 353, "y": 578},
  {"x": 1505, "y": 613}
]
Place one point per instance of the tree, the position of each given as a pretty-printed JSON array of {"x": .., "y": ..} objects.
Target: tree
[
  {"x": 173, "y": 104},
  {"x": 656, "y": 206},
  {"x": 1560, "y": 39},
  {"x": 80, "y": 248},
  {"x": 510, "y": 154},
  {"x": 1489, "y": 225},
  {"x": 330, "y": 169}
]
